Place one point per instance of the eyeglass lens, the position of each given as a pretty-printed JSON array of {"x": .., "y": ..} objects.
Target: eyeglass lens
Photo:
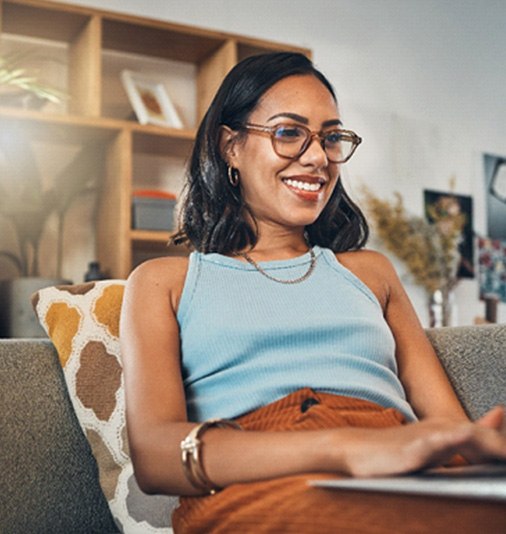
[{"x": 291, "y": 140}]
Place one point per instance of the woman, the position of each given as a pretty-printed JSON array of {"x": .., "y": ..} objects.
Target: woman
[{"x": 279, "y": 321}]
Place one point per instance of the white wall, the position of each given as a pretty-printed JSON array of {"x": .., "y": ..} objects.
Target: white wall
[{"x": 424, "y": 82}]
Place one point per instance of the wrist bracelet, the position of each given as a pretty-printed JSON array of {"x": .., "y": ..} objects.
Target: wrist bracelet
[{"x": 191, "y": 457}]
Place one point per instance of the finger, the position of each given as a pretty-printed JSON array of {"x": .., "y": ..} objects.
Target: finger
[
  {"x": 494, "y": 418},
  {"x": 488, "y": 443}
]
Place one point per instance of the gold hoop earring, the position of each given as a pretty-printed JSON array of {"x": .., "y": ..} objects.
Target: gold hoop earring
[{"x": 233, "y": 176}]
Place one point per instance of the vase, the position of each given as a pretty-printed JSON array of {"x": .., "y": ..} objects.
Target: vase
[
  {"x": 442, "y": 308},
  {"x": 17, "y": 318},
  {"x": 22, "y": 99}
]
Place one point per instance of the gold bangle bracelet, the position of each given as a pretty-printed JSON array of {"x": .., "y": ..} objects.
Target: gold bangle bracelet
[{"x": 191, "y": 456}]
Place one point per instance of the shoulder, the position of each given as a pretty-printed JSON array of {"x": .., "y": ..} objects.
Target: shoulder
[
  {"x": 366, "y": 258},
  {"x": 159, "y": 278},
  {"x": 374, "y": 269},
  {"x": 161, "y": 268}
]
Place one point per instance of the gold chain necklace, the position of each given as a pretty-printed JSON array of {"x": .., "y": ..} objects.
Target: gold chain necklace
[{"x": 306, "y": 275}]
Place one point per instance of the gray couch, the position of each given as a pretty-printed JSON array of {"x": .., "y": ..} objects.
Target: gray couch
[{"x": 49, "y": 481}]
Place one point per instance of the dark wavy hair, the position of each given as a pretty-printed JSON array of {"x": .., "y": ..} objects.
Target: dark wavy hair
[{"x": 213, "y": 214}]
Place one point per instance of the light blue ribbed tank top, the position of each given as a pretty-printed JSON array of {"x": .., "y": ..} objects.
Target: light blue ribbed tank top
[{"x": 247, "y": 340}]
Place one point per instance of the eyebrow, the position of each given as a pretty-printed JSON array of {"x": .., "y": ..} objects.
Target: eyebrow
[{"x": 304, "y": 120}]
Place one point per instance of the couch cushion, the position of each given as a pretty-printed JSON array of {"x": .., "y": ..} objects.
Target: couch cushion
[
  {"x": 49, "y": 479},
  {"x": 475, "y": 360},
  {"x": 83, "y": 323}
]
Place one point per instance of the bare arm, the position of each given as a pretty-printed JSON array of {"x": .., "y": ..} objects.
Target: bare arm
[
  {"x": 157, "y": 420},
  {"x": 420, "y": 370},
  {"x": 156, "y": 413},
  {"x": 427, "y": 387}
]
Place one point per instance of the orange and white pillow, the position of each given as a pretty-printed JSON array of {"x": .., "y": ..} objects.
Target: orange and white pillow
[{"x": 82, "y": 321}]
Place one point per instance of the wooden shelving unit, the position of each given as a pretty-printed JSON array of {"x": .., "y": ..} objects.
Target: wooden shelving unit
[{"x": 88, "y": 39}]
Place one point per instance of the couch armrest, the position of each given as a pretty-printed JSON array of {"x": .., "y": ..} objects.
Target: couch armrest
[
  {"x": 474, "y": 358},
  {"x": 49, "y": 478}
]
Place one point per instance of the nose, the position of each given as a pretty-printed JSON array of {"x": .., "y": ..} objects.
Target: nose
[{"x": 314, "y": 153}]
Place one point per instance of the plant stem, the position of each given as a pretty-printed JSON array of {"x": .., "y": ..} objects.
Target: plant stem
[{"x": 14, "y": 259}]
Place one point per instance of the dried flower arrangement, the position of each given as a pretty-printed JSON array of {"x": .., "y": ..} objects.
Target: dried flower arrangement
[{"x": 429, "y": 247}]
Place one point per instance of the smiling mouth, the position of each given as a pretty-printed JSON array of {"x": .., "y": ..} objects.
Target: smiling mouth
[{"x": 303, "y": 186}]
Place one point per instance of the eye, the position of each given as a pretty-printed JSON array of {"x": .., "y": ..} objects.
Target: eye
[
  {"x": 289, "y": 133},
  {"x": 334, "y": 137}
]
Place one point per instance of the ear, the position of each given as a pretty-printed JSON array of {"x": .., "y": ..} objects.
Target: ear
[{"x": 228, "y": 145}]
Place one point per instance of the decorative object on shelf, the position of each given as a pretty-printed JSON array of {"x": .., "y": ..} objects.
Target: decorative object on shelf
[
  {"x": 19, "y": 87},
  {"x": 494, "y": 167},
  {"x": 94, "y": 273},
  {"x": 17, "y": 319},
  {"x": 492, "y": 269},
  {"x": 153, "y": 210},
  {"x": 429, "y": 249},
  {"x": 491, "y": 309},
  {"x": 150, "y": 100},
  {"x": 498, "y": 182},
  {"x": 442, "y": 307},
  {"x": 455, "y": 204},
  {"x": 27, "y": 206}
]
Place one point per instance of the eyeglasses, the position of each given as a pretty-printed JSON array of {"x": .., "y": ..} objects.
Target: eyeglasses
[{"x": 292, "y": 140}]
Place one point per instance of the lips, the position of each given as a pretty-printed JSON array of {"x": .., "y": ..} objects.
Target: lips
[{"x": 307, "y": 187}]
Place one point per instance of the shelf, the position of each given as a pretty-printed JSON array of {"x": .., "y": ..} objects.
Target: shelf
[
  {"x": 159, "y": 39},
  {"x": 59, "y": 128},
  {"x": 148, "y": 244},
  {"x": 249, "y": 47},
  {"x": 148, "y": 138},
  {"x": 162, "y": 141},
  {"x": 91, "y": 47},
  {"x": 150, "y": 237},
  {"x": 45, "y": 20}
]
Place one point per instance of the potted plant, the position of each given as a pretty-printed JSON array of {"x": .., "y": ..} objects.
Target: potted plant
[
  {"x": 19, "y": 87},
  {"x": 26, "y": 204},
  {"x": 26, "y": 207},
  {"x": 429, "y": 247}
]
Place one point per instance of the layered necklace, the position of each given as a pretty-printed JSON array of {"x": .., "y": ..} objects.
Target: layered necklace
[{"x": 305, "y": 276}]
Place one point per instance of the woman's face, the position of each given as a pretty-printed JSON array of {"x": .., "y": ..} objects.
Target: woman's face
[{"x": 282, "y": 192}]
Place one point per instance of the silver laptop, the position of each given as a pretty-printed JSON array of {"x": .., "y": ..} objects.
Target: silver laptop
[{"x": 486, "y": 482}]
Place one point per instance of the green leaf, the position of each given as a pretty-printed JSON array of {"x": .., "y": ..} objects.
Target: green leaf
[{"x": 12, "y": 75}]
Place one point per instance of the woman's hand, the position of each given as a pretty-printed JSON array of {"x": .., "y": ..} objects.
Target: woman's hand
[
  {"x": 494, "y": 418},
  {"x": 432, "y": 442}
]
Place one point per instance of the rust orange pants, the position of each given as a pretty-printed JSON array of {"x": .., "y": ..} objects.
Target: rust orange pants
[{"x": 288, "y": 505}]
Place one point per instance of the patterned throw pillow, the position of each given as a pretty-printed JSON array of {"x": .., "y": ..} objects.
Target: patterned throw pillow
[{"x": 82, "y": 321}]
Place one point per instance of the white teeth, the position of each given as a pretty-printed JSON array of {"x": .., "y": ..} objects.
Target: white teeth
[{"x": 305, "y": 186}]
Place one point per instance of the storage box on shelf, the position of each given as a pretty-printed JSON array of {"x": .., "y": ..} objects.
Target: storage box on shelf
[
  {"x": 153, "y": 210},
  {"x": 97, "y": 46}
]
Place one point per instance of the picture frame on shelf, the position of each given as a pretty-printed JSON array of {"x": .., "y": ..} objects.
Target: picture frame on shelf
[
  {"x": 495, "y": 194},
  {"x": 150, "y": 100},
  {"x": 492, "y": 268},
  {"x": 460, "y": 204},
  {"x": 498, "y": 182}
]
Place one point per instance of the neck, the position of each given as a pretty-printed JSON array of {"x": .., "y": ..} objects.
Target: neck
[
  {"x": 263, "y": 272},
  {"x": 278, "y": 246}
]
